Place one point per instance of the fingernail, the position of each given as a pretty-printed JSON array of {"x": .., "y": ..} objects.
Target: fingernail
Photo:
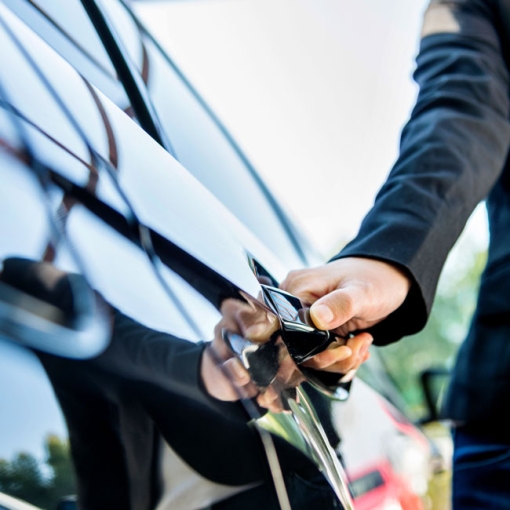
[
  {"x": 364, "y": 349},
  {"x": 346, "y": 352},
  {"x": 321, "y": 314}
]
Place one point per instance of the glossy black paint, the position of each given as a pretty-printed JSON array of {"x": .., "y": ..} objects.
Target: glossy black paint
[{"x": 114, "y": 207}]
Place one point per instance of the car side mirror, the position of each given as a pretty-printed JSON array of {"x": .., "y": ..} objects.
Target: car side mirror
[
  {"x": 42, "y": 309},
  {"x": 434, "y": 383}
]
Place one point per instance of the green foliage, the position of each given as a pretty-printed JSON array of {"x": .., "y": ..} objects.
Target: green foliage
[
  {"x": 437, "y": 345},
  {"x": 23, "y": 477}
]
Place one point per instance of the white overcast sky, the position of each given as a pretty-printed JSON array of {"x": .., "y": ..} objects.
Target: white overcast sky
[{"x": 315, "y": 91}]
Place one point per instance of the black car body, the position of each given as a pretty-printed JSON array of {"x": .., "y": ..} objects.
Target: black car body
[{"x": 114, "y": 169}]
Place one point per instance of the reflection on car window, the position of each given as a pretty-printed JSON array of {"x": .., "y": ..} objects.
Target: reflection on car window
[
  {"x": 204, "y": 149},
  {"x": 33, "y": 434},
  {"x": 28, "y": 230},
  {"x": 65, "y": 26},
  {"x": 124, "y": 275},
  {"x": 199, "y": 143}
]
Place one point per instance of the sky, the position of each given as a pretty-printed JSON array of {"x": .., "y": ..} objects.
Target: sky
[{"x": 315, "y": 91}]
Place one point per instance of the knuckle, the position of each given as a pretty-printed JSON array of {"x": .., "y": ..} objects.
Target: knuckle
[
  {"x": 292, "y": 274},
  {"x": 346, "y": 304},
  {"x": 295, "y": 279}
]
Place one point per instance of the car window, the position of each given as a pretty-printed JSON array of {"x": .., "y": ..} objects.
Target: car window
[
  {"x": 197, "y": 138},
  {"x": 161, "y": 194},
  {"x": 121, "y": 271},
  {"x": 67, "y": 28},
  {"x": 33, "y": 433},
  {"x": 28, "y": 231},
  {"x": 202, "y": 144}
]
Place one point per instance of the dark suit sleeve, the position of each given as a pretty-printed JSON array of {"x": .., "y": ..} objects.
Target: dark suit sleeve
[
  {"x": 139, "y": 353},
  {"x": 152, "y": 356},
  {"x": 452, "y": 151}
]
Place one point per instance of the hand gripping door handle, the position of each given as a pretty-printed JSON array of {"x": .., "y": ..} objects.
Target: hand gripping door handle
[{"x": 302, "y": 338}]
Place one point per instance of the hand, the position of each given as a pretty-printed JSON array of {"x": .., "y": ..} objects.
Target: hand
[
  {"x": 223, "y": 375},
  {"x": 348, "y": 295},
  {"x": 343, "y": 357}
]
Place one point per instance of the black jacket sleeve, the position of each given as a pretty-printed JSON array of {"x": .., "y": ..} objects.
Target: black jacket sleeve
[
  {"x": 452, "y": 151},
  {"x": 139, "y": 353},
  {"x": 135, "y": 352}
]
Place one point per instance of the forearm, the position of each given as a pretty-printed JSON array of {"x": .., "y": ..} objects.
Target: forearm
[
  {"x": 139, "y": 353},
  {"x": 452, "y": 151}
]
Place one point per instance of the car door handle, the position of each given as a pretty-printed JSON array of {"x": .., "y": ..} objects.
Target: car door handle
[{"x": 302, "y": 338}]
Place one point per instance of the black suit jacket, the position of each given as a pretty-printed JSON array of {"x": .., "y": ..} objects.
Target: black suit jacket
[{"x": 453, "y": 154}]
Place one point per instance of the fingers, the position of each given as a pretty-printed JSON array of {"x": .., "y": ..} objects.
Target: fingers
[
  {"x": 308, "y": 284},
  {"x": 270, "y": 400},
  {"x": 253, "y": 322},
  {"x": 235, "y": 372},
  {"x": 225, "y": 380},
  {"x": 239, "y": 379},
  {"x": 334, "y": 309},
  {"x": 352, "y": 292},
  {"x": 334, "y": 301},
  {"x": 260, "y": 331},
  {"x": 344, "y": 358}
]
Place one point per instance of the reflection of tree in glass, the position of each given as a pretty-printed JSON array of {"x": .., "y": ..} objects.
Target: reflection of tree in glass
[
  {"x": 58, "y": 458},
  {"x": 22, "y": 478},
  {"x": 25, "y": 478}
]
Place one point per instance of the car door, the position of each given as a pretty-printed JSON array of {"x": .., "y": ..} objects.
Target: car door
[
  {"x": 154, "y": 245},
  {"x": 133, "y": 71}
]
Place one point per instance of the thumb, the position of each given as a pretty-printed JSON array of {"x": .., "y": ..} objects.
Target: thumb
[{"x": 334, "y": 309}]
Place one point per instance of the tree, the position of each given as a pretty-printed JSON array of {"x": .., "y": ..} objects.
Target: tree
[
  {"x": 23, "y": 477},
  {"x": 58, "y": 458},
  {"x": 438, "y": 343}
]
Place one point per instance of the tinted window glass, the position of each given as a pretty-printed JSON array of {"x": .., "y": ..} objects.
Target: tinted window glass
[
  {"x": 66, "y": 27},
  {"x": 203, "y": 148},
  {"x": 35, "y": 463}
]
